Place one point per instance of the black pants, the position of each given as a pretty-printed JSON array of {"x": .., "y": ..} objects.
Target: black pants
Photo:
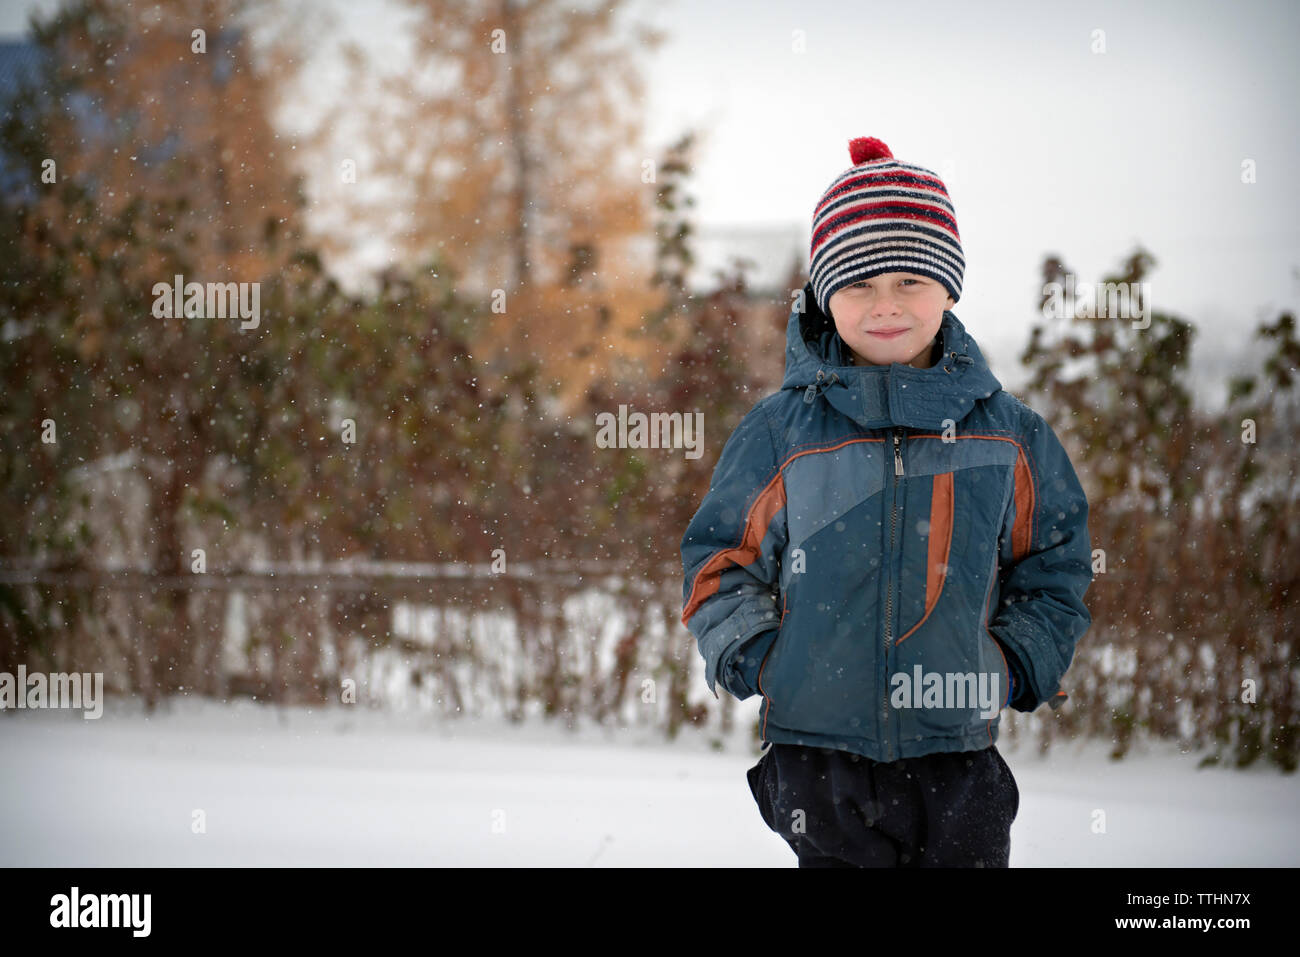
[{"x": 839, "y": 809}]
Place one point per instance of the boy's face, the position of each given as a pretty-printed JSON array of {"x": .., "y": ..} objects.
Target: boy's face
[{"x": 892, "y": 300}]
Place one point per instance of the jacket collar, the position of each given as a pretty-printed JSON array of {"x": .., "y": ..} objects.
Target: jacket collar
[{"x": 881, "y": 397}]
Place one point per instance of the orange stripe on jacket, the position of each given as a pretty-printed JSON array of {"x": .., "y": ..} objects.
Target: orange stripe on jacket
[
  {"x": 1022, "y": 530},
  {"x": 940, "y": 543},
  {"x": 770, "y": 501}
]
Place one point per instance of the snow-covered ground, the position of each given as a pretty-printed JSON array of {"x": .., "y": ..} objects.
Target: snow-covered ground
[{"x": 344, "y": 786}]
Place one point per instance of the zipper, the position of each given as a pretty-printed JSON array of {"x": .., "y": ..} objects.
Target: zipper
[{"x": 889, "y": 592}]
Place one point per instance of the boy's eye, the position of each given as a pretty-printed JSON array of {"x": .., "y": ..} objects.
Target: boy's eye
[{"x": 862, "y": 284}]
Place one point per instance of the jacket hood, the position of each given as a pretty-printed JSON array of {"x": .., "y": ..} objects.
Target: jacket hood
[{"x": 817, "y": 360}]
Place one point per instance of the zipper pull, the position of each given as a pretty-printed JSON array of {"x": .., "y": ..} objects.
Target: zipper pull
[{"x": 898, "y": 456}]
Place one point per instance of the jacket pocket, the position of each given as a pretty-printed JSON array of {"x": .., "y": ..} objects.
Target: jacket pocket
[
  {"x": 763, "y": 664},
  {"x": 753, "y": 652},
  {"x": 820, "y": 675},
  {"x": 996, "y": 663},
  {"x": 776, "y": 640}
]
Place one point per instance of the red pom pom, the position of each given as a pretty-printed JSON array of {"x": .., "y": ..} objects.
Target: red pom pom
[{"x": 866, "y": 148}]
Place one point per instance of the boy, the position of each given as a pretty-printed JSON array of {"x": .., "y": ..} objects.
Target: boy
[{"x": 892, "y": 549}]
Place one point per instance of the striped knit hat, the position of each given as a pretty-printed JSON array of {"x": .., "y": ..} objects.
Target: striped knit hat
[{"x": 883, "y": 216}]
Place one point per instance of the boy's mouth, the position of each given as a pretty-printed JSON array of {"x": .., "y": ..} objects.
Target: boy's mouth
[{"x": 887, "y": 333}]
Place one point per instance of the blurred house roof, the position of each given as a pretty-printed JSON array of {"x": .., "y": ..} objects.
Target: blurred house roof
[{"x": 773, "y": 250}]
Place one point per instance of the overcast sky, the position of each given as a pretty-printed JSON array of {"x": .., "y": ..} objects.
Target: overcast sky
[{"x": 1044, "y": 144}]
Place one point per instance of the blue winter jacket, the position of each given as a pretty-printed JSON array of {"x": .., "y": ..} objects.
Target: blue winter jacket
[{"x": 883, "y": 550}]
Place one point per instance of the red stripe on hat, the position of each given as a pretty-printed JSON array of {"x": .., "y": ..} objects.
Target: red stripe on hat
[
  {"x": 832, "y": 226},
  {"x": 835, "y": 191}
]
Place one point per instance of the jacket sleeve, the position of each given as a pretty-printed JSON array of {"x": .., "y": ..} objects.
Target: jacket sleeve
[
  {"x": 732, "y": 550},
  {"x": 1045, "y": 570}
]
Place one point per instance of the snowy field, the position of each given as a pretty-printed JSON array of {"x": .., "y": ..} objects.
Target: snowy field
[{"x": 350, "y": 787}]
